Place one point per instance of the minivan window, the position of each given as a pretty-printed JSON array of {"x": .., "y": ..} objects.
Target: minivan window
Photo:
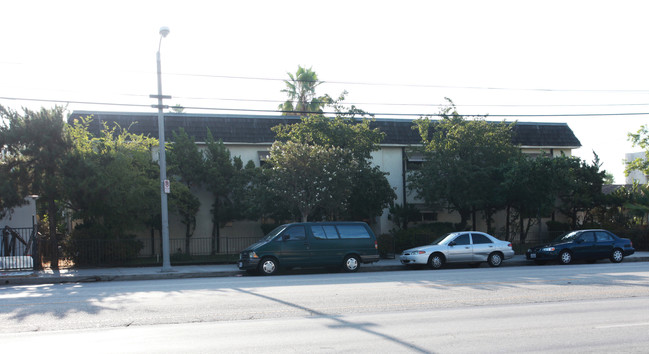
[
  {"x": 324, "y": 232},
  {"x": 295, "y": 233},
  {"x": 352, "y": 231}
]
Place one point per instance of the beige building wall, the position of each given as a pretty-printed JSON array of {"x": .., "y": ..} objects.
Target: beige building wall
[{"x": 388, "y": 158}]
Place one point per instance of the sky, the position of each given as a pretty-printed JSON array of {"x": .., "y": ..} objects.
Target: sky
[{"x": 584, "y": 63}]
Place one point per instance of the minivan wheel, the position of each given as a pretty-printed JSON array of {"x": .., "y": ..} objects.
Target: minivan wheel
[
  {"x": 351, "y": 264},
  {"x": 565, "y": 257},
  {"x": 495, "y": 259},
  {"x": 268, "y": 266},
  {"x": 617, "y": 256}
]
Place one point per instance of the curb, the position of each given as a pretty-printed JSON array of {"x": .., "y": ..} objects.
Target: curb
[{"x": 39, "y": 280}]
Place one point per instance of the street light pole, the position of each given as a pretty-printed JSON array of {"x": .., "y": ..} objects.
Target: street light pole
[{"x": 164, "y": 183}]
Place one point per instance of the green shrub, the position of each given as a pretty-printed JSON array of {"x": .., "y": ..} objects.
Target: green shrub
[
  {"x": 400, "y": 240},
  {"x": 94, "y": 246},
  {"x": 639, "y": 235}
]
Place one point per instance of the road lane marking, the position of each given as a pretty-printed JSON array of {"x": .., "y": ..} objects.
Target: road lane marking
[{"x": 639, "y": 324}]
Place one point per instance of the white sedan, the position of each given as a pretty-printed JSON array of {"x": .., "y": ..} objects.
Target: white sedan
[{"x": 460, "y": 247}]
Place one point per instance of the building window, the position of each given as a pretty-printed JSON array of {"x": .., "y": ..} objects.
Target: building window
[
  {"x": 414, "y": 161},
  {"x": 428, "y": 216},
  {"x": 264, "y": 156}
]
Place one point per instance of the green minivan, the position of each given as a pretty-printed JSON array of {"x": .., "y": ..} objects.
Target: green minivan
[{"x": 312, "y": 244}]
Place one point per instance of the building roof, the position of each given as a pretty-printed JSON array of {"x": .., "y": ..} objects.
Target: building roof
[{"x": 256, "y": 129}]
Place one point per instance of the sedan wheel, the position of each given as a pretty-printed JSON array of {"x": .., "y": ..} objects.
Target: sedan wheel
[
  {"x": 565, "y": 257},
  {"x": 435, "y": 261},
  {"x": 617, "y": 256},
  {"x": 495, "y": 260}
]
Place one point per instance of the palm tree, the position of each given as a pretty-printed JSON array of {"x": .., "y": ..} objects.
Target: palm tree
[{"x": 301, "y": 93}]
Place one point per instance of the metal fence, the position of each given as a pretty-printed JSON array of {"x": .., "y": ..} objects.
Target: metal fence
[
  {"x": 139, "y": 251},
  {"x": 17, "y": 245}
]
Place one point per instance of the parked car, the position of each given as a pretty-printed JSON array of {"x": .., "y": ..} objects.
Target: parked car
[
  {"x": 460, "y": 247},
  {"x": 589, "y": 245},
  {"x": 312, "y": 244}
]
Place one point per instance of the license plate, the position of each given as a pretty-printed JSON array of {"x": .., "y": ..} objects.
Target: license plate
[
  {"x": 240, "y": 264},
  {"x": 532, "y": 255}
]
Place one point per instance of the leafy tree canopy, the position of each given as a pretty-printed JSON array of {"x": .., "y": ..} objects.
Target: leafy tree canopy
[
  {"x": 640, "y": 139},
  {"x": 110, "y": 181},
  {"x": 464, "y": 161},
  {"x": 35, "y": 144}
]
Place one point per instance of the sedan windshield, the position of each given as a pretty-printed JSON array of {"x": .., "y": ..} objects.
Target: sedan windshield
[
  {"x": 442, "y": 240},
  {"x": 567, "y": 237},
  {"x": 274, "y": 233}
]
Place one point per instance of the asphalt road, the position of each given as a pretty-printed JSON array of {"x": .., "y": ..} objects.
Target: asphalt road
[{"x": 576, "y": 308}]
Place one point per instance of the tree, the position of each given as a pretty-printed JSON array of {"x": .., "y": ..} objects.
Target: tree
[
  {"x": 178, "y": 108},
  {"x": 11, "y": 195},
  {"x": 261, "y": 200},
  {"x": 310, "y": 176},
  {"x": 36, "y": 143},
  {"x": 637, "y": 203},
  {"x": 464, "y": 160},
  {"x": 187, "y": 166},
  {"x": 370, "y": 190},
  {"x": 219, "y": 178},
  {"x": 301, "y": 93},
  {"x": 355, "y": 135},
  {"x": 110, "y": 180},
  {"x": 371, "y": 193},
  {"x": 640, "y": 139},
  {"x": 624, "y": 208},
  {"x": 579, "y": 187},
  {"x": 111, "y": 187},
  {"x": 529, "y": 188}
]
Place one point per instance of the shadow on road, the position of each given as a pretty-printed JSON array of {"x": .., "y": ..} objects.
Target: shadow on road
[{"x": 340, "y": 323}]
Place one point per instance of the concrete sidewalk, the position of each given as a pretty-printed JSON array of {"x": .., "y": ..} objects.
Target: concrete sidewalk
[{"x": 197, "y": 271}]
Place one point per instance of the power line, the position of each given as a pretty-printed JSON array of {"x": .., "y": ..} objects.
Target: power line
[
  {"x": 412, "y": 104},
  {"x": 330, "y": 112},
  {"x": 412, "y": 85},
  {"x": 418, "y": 104},
  {"x": 76, "y": 102}
]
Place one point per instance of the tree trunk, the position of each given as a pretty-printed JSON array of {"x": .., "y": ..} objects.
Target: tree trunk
[
  {"x": 522, "y": 234},
  {"x": 464, "y": 217},
  {"x": 187, "y": 237},
  {"x": 507, "y": 222},
  {"x": 473, "y": 218},
  {"x": 153, "y": 241},
  {"x": 54, "y": 242},
  {"x": 216, "y": 230}
]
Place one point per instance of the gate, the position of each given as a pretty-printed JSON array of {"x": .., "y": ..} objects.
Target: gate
[{"x": 17, "y": 245}]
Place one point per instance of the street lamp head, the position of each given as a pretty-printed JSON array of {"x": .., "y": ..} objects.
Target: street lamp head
[{"x": 164, "y": 31}]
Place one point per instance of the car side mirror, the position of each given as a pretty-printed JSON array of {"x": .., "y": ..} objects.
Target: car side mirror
[
  {"x": 286, "y": 237},
  {"x": 452, "y": 243},
  {"x": 579, "y": 240}
]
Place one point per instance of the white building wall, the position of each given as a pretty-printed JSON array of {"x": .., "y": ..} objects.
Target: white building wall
[
  {"x": 22, "y": 216},
  {"x": 389, "y": 159},
  {"x": 635, "y": 175}
]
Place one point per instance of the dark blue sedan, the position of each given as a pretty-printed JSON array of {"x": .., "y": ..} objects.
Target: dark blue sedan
[{"x": 588, "y": 245}]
